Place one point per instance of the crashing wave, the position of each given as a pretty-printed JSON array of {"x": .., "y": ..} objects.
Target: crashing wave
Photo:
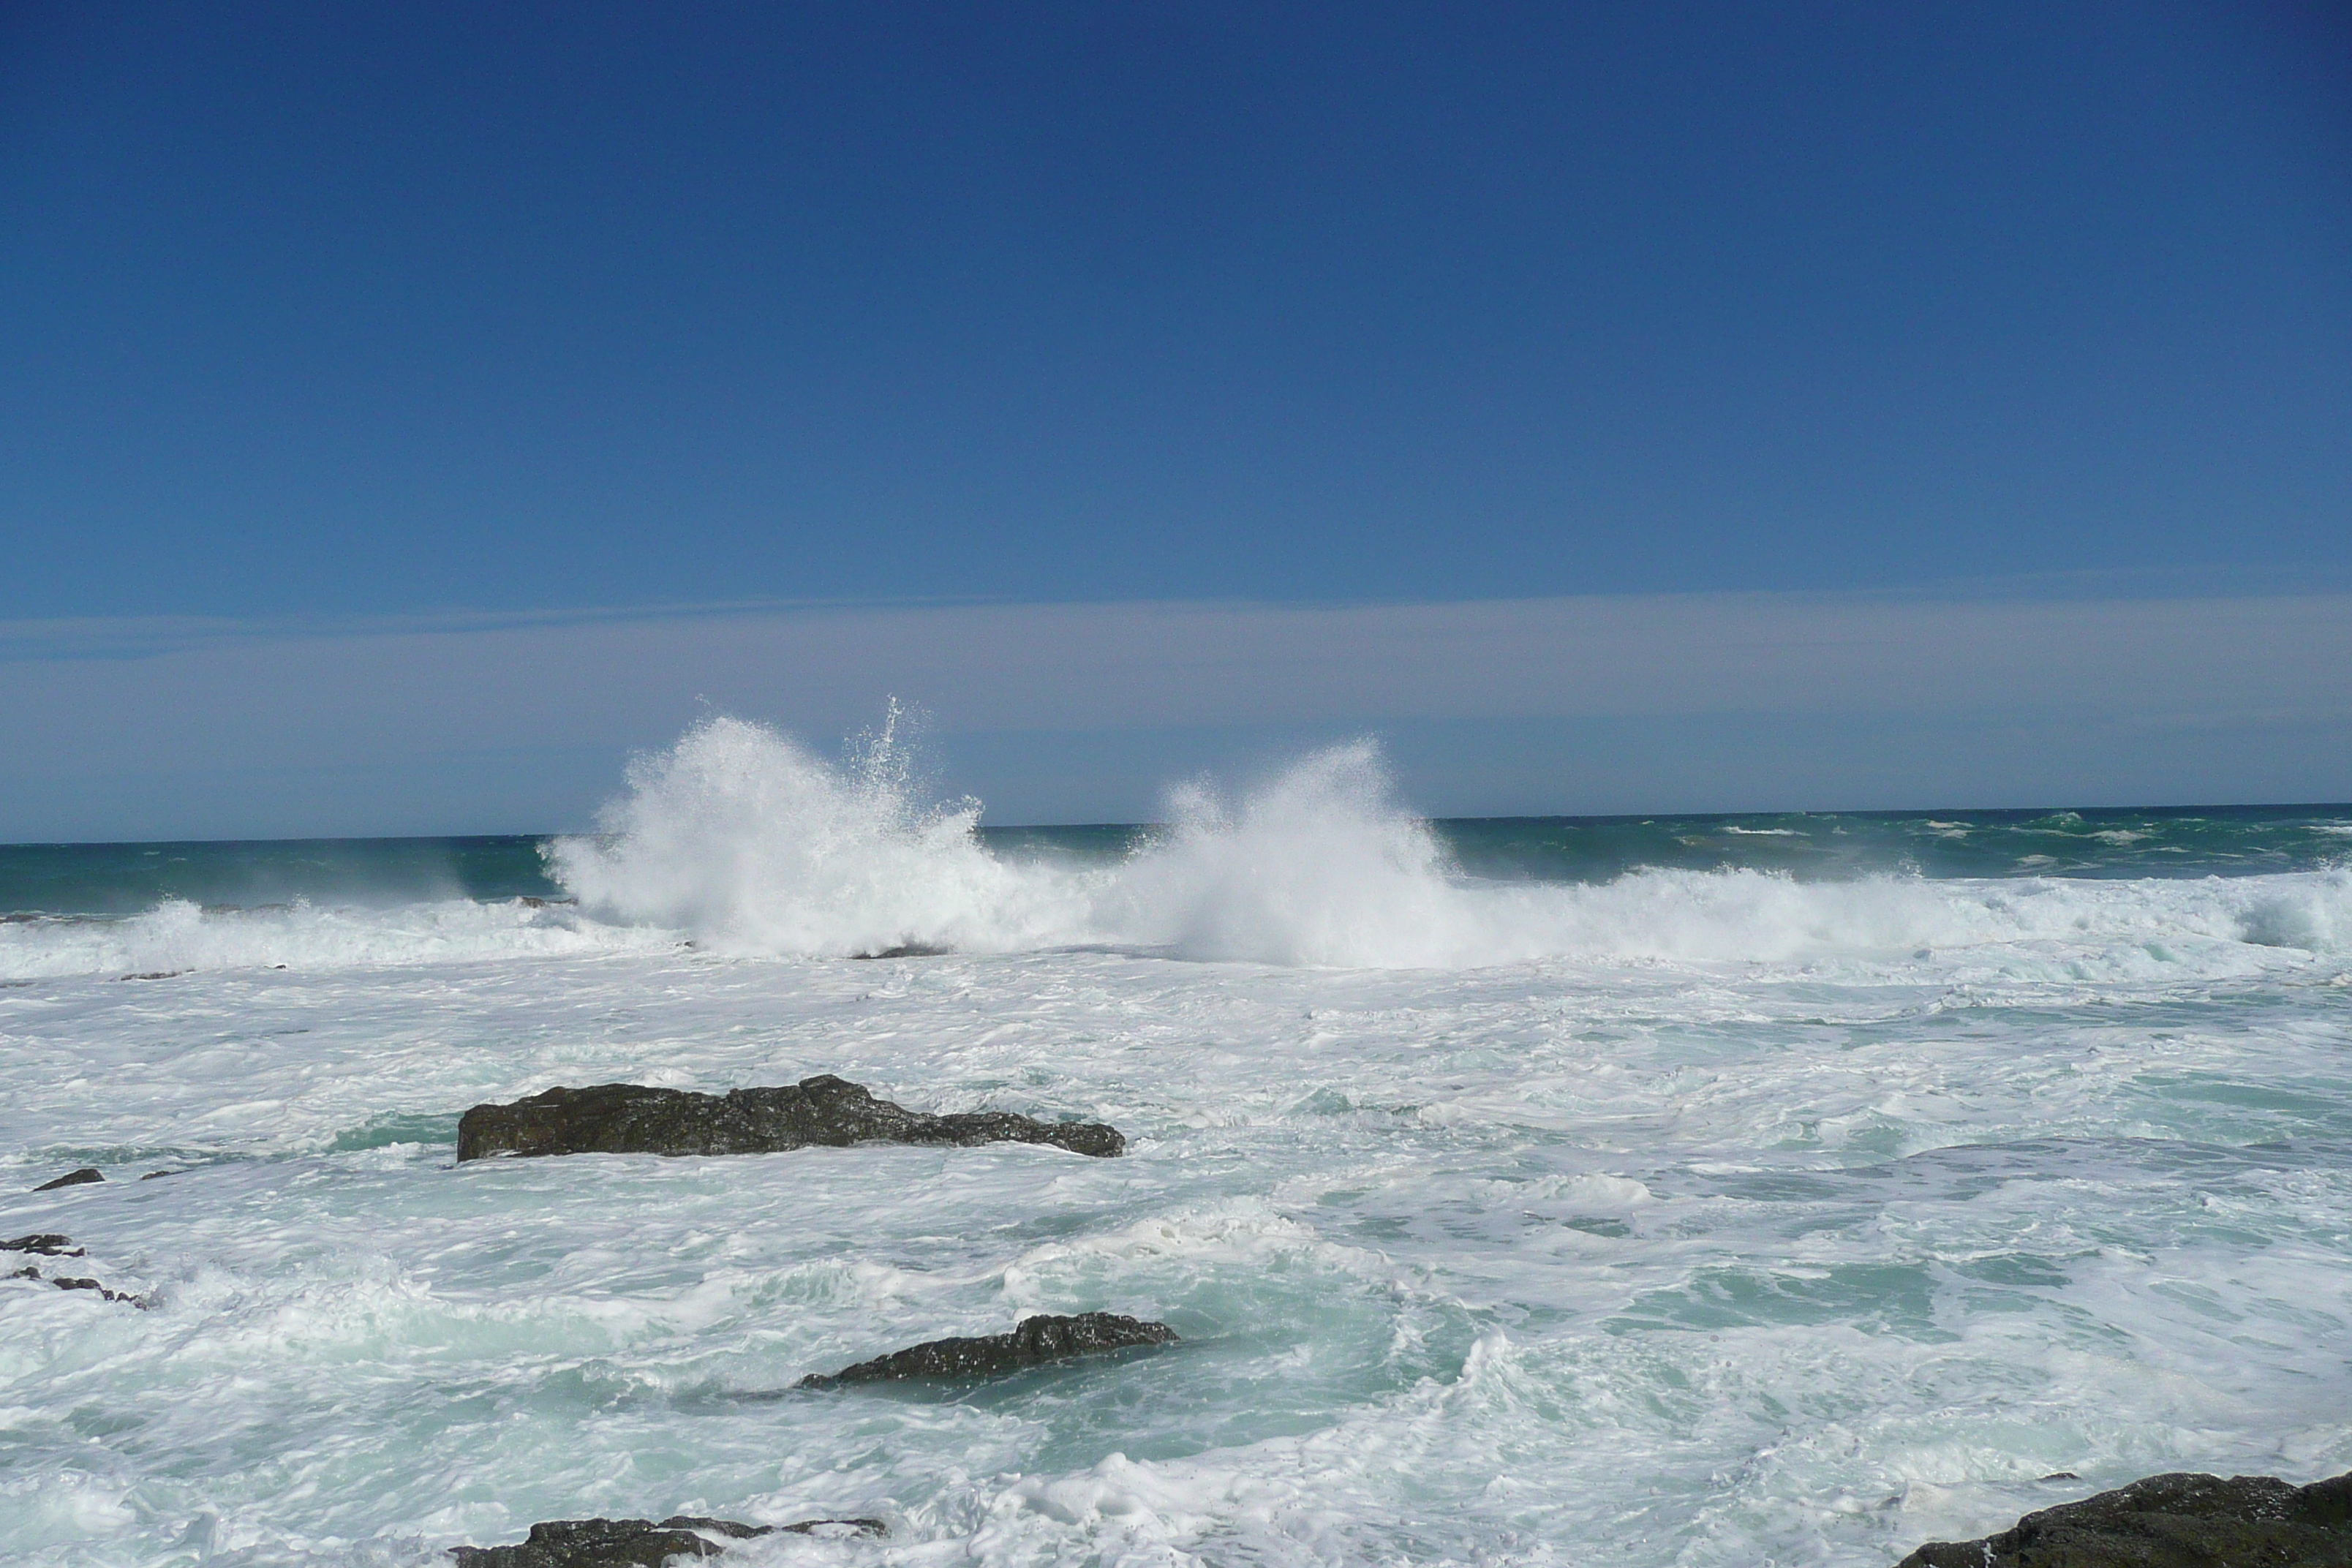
[{"x": 743, "y": 841}]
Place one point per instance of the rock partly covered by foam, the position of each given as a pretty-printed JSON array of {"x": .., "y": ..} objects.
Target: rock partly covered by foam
[
  {"x": 68, "y": 1282},
  {"x": 630, "y": 1119},
  {"x": 640, "y": 1542},
  {"x": 2177, "y": 1521},
  {"x": 1037, "y": 1341},
  {"x": 43, "y": 1243},
  {"x": 49, "y": 1244},
  {"x": 82, "y": 1177}
]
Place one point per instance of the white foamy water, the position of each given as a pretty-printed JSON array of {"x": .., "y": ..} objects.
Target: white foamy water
[{"x": 1690, "y": 1218}]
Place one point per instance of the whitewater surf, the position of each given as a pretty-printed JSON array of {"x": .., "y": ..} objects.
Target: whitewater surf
[{"x": 1658, "y": 1192}]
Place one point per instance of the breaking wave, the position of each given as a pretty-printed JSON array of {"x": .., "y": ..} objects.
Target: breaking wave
[
  {"x": 742, "y": 837},
  {"x": 741, "y": 840},
  {"x": 753, "y": 843}
]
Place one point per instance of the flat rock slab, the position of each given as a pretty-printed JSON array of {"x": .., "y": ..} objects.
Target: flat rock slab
[
  {"x": 631, "y": 1119},
  {"x": 1037, "y": 1341},
  {"x": 2178, "y": 1520},
  {"x": 640, "y": 1542}
]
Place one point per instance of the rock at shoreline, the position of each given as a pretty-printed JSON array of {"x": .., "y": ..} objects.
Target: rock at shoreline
[
  {"x": 72, "y": 1179},
  {"x": 630, "y": 1119},
  {"x": 640, "y": 1542},
  {"x": 2178, "y": 1520},
  {"x": 1037, "y": 1341}
]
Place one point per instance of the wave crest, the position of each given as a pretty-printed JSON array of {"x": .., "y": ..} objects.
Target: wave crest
[
  {"x": 1318, "y": 866},
  {"x": 744, "y": 837}
]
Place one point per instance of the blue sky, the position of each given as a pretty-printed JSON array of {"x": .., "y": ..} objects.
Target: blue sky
[{"x": 327, "y": 322}]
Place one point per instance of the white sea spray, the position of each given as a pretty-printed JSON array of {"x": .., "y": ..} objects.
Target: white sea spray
[{"x": 742, "y": 840}]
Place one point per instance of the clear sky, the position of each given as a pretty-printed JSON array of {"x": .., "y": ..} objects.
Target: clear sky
[{"x": 346, "y": 318}]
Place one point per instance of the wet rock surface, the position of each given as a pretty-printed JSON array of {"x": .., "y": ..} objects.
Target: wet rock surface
[
  {"x": 72, "y": 1179},
  {"x": 1037, "y": 1341},
  {"x": 43, "y": 1243},
  {"x": 640, "y": 1542},
  {"x": 2180, "y": 1520},
  {"x": 631, "y": 1119},
  {"x": 67, "y": 1282}
]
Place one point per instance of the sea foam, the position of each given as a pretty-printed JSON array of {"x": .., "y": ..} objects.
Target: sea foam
[{"x": 1696, "y": 1218}]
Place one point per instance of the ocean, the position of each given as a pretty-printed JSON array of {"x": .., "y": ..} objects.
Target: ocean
[{"x": 1724, "y": 1190}]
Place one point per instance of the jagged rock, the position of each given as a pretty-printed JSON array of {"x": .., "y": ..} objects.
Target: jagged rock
[
  {"x": 2178, "y": 1520},
  {"x": 64, "y": 1282},
  {"x": 1037, "y": 1341},
  {"x": 837, "y": 1528},
  {"x": 43, "y": 1243},
  {"x": 640, "y": 1542},
  {"x": 630, "y": 1119},
  {"x": 72, "y": 1179}
]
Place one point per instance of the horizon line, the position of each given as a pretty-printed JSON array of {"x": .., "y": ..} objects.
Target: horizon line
[{"x": 1611, "y": 817}]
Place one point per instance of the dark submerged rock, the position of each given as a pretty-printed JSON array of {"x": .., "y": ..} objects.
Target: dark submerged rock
[
  {"x": 64, "y": 1282},
  {"x": 43, "y": 1243},
  {"x": 907, "y": 950},
  {"x": 2178, "y": 1520},
  {"x": 1037, "y": 1341},
  {"x": 630, "y": 1119},
  {"x": 71, "y": 1179},
  {"x": 873, "y": 1529},
  {"x": 640, "y": 1542}
]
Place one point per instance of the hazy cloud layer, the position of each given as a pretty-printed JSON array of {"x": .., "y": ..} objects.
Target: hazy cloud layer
[{"x": 147, "y": 729}]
